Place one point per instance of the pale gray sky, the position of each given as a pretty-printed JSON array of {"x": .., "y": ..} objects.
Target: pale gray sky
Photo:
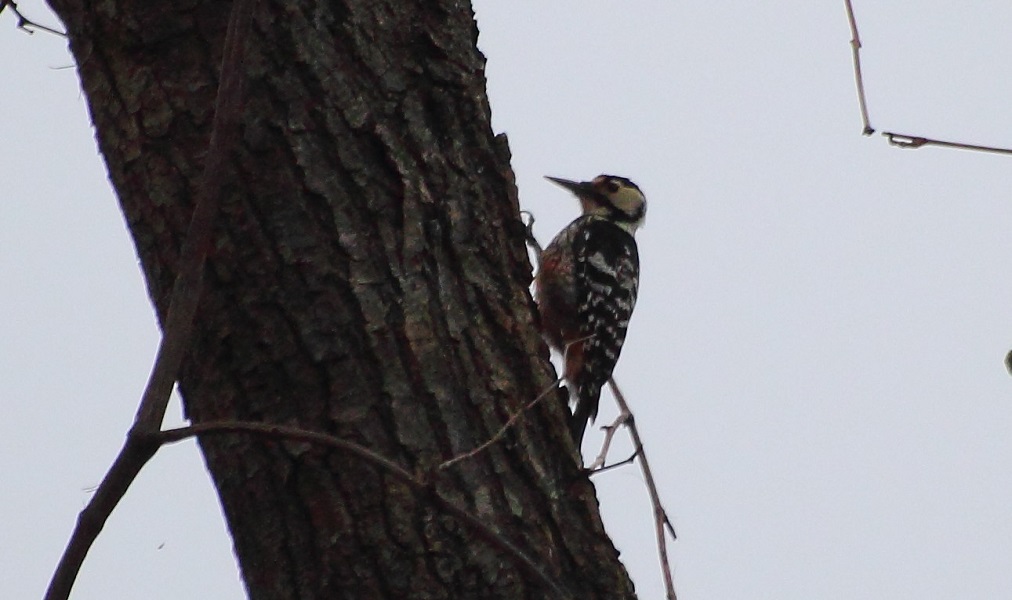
[{"x": 815, "y": 362}]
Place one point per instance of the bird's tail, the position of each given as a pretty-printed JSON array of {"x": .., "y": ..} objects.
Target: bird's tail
[{"x": 588, "y": 397}]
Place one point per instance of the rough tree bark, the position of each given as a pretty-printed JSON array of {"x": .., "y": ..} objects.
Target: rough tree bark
[{"x": 368, "y": 279}]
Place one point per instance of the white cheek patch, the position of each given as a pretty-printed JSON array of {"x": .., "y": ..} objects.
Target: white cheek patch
[{"x": 628, "y": 200}]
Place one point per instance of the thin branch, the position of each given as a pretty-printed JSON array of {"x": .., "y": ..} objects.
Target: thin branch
[
  {"x": 121, "y": 474},
  {"x": 24, "y": 23},
  {"x": 502, "y": 431},
  {"x": 186, "y": 292},
  {"x": 609, "y": 434},
  {"x": 140, "y": 444},
  {"x": 661, "y": 521},
  {"x": 913, "y": 141},
  {"x": 424, "y": 489},
  {"x": 532, "y": 241},
  {"x": 899, "y": 140},
  {"x": 621, "y": 463},
  {"x": 855, "y": 48}
]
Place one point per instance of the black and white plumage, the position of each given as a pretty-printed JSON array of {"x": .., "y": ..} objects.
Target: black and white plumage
[{"x": 586, "y": 287}]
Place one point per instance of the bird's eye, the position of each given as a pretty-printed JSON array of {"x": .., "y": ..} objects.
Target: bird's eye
[{"x": 613, "y": 186}]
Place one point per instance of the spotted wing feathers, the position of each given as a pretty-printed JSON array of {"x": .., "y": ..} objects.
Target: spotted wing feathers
[{"x": 607, "y": 276}]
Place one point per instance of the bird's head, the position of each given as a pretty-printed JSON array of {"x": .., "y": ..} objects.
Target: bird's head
[{"x": 615, "y": 198}]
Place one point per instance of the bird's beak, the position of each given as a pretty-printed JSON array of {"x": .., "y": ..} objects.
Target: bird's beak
[{"x": 580, "y": 188}]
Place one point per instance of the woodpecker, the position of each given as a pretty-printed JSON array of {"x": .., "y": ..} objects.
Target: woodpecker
[{"x": 586, "y": 287}]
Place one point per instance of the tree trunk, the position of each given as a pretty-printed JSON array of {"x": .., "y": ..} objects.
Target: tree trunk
[{"x": 368, "y": 279}]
